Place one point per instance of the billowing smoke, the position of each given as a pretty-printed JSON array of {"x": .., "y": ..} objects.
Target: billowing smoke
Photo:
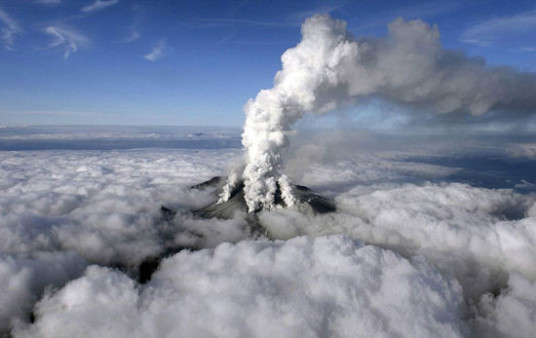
[{"x": 330, "y": 68}]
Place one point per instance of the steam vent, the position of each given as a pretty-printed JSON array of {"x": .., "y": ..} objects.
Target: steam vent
[{"x": 306, "y": 200}]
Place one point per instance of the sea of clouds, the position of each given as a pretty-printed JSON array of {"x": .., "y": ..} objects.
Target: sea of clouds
[{"x": 419, "y": 246}]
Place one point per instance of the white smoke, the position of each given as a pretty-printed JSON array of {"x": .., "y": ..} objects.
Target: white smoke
[{"x": 330, "y": 67}]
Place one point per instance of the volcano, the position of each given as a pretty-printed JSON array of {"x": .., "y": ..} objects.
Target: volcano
[{"x": 306, "y": 200}]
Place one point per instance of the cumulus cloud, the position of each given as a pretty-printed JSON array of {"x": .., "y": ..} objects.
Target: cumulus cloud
[
  {"x": 158, "y": 51},
  {"x": 330, "y": 68},
  {"x": 66, "y": 38},
  {"x": 9, "y": 29},
  {"x": 23, "y": 279},
  {"x": 512, "y": 313},
  {"x": 98, "y": 5},
  {"x": 324, "y": 287}
]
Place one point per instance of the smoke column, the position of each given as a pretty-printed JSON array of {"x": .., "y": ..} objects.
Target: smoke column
[{"x": 330, "y": 67}]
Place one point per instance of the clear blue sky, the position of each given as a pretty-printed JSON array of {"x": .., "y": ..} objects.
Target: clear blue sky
[{"x": 167, "y": 62}]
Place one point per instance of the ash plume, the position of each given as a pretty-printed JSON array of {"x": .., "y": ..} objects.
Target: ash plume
[{"x": 330, "y": 68}]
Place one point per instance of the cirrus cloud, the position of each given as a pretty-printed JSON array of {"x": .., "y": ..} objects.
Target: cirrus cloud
[
  {"x": 159, "y": 51},
  {"x": 67, "y": 38},
  {"x": 9, "y": 29},
  {"x": 488, "y": 32},
  {"x": 98, "y": 5}
]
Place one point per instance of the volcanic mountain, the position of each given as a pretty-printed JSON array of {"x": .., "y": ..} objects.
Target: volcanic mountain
[{"x": 306, "y": 200}]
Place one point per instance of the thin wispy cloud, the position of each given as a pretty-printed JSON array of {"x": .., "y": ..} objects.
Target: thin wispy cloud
[
  {"x": 8, "y": 30},
  {"x": 528, "y": 49},
  {"x": 98, "y": 5},
  {"x": 488, "y": 32},
  {"x": 67, "y": 38},
  {"x": 225, "y": 22},
  {"x": 329, "y": 7},
  {"x": 431, "y": 9},
  {"x": 421, "y": 11},
  {"x": 258, "y": 42},
  {"x": 158, "y": 51},
  {"x": 58, "y": 113},
  {"x": 132, "y": 34},
  {"x": 49, "y": 2}
]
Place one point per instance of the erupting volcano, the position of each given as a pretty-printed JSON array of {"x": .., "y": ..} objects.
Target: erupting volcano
[
  {"x": 330, "y": 68},
  {"x": 302, "y": 198}
]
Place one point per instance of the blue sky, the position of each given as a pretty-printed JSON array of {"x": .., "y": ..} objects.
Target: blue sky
[{"x": 169, "y": 62}]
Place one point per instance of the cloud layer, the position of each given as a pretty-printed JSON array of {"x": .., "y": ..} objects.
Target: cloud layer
[
  {"x": 325, "y": 287},
  {"x": 408, "y": 250},
  {"x": 86, "y": 206}
]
